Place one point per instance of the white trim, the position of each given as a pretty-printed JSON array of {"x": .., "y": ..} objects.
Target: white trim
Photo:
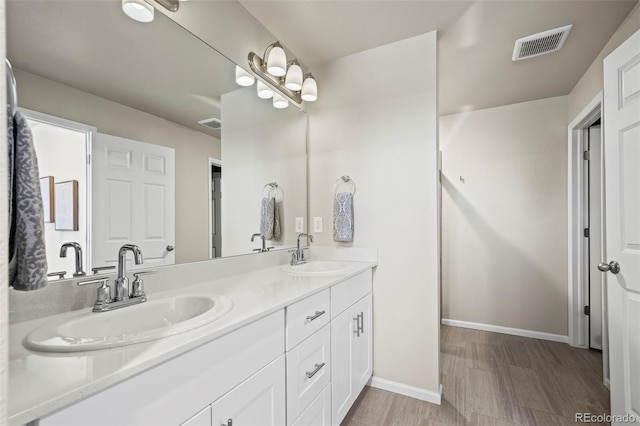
[
  {"x": 211, "y": 162},
  {"x": 407, "y": 390},
  {"x": 577, "y": 291},
  {"x": 507, "y": 330}
]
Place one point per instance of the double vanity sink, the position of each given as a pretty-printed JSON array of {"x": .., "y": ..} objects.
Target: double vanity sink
[{"x": 86, "y": 331}]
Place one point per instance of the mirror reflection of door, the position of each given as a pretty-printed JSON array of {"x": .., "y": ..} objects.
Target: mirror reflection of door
[
  {"x": 215, "y": 208},
  {"x": 61, "y": 147},
  {"x": 134, "y": 187}
]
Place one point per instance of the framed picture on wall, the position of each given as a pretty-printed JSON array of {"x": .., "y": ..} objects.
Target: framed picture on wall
[
  {"x": 48, "y": 196},
  {"x": 66, "y": 205}
]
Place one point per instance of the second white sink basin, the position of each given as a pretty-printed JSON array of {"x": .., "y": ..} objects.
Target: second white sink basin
[
  {"x": 86, "y": 330},
  {"x": 318, "y": 267}
]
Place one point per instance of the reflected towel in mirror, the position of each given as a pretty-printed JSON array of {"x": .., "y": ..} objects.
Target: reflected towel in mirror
[{"x": 270, "y": 219}]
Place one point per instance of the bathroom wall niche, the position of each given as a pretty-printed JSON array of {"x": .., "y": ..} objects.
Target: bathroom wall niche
[{"x": 152, "y": 84}]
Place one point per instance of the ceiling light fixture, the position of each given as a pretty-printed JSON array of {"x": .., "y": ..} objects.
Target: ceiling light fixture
[
  {"x": 284, "y": 79},
  {"x": 243, "y": 78},
  {"x": 138, "y": 10}
]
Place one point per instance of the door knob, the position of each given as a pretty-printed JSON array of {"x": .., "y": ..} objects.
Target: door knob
[
  {"x": 613, "y": 267},
  {"x": 170, "y": 248}
]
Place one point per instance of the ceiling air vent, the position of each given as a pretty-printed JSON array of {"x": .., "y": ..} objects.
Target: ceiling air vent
[
  {"x": 541, "y": 43},
  {"x": 211, "y": 123}
]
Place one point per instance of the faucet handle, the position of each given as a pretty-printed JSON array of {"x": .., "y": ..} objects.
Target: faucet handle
[
  {"x": 99, "y": 269},
  {"x": 104, "y": 291},
  {"x": 137, "y": 289}
]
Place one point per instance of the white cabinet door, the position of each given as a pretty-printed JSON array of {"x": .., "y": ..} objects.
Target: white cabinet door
[
  {"x": 258, "y": 401},
  {"x": 203, "y": 418},
  {"x": 319, "y": 411},
  {"x": 344, "y": 329},
  {"x": 351, "y": 356},
  {"x": 362, "y": 361}
]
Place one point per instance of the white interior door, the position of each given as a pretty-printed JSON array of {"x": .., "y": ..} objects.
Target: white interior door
[
  {"x": 622, "y": 201},
  {"x": 134, "y": 200}
]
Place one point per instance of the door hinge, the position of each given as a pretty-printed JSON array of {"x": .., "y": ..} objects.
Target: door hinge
[
  {"x": 587, "y": 310},
  {"x": 585, "y": 155},
  {"x": 586, "y": 232}
]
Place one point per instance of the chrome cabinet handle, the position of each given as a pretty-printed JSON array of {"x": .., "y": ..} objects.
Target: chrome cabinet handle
[
  {"x": 357, "y": 330},
  {"x": 361, "y": 325},
  {"x": 613, "y": 267},
  {"x": 310, "y": 374},
  {"x": 316, "y": 315}
]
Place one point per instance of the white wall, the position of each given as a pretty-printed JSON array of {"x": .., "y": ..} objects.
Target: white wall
[
  {"x": 504, "y": 227},
  {"x": 376, "y": 120},
  {"x": 260, "y": 144},
  {"x": 192, "y": 149}
]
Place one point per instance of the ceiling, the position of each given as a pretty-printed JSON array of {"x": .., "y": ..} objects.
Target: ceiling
[
  {"x": 476, "y": 40},
  {"x": 159, "y": 67}
]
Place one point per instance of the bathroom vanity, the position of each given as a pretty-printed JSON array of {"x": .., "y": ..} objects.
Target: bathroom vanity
[{"x": 293, "y": 350}]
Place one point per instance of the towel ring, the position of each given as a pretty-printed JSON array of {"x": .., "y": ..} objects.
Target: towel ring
[
  {"x": 273, "y": 190},
  {"x": 344, "y": 182}
]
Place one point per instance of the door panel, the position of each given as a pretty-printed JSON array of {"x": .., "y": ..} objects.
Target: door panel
[
  {"x": 622, "y": 201},
  {"x": 343, "y": 339},
  {"x": 363, "y": 360}
]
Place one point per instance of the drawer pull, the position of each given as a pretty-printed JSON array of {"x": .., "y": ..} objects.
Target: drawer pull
[
  {"x": 316, "y": 315},
  {"x": 310, "y": 374}
]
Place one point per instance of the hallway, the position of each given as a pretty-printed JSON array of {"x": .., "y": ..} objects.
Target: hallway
[{"x": 496, "y": 379}]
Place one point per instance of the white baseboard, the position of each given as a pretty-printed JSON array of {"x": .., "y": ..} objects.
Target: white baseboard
[
  {"x": 402, "y": 389},
  {"x": 507, "y": 330}
]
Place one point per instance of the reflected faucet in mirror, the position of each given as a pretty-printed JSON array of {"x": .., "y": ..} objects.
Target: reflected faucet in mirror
[
  {"x": 63, "y": 253},
  {"x": 264, "y": 243}
]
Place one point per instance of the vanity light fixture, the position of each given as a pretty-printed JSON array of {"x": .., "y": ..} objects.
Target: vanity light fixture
[
  {"x": 280, "y": 101},
  {"x": 138, "y": 10},
  {"x": 264, "y": 92},
  {"x": 286, "y": 80},
  {"x": 243, "y": 78}
]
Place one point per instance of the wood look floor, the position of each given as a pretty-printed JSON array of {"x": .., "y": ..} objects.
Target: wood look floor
[{"x": 493, "y": 379}]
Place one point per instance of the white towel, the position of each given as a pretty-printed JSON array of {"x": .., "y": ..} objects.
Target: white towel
[
  {"x": 27, "y": 252},
  {"x": 343, "y": 217}
]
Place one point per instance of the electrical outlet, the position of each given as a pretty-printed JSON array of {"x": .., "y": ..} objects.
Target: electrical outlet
[
  {"x": 317, "y": 224},
  {"x": 299, "y": 224}
]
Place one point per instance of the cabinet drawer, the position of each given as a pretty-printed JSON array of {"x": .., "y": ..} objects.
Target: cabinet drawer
[
  {"x": 349, "y": 292},
  {"x": 306, "y": 317},
  {"x": 308, "y": 372},
  {"x": 318, "y": 413}
]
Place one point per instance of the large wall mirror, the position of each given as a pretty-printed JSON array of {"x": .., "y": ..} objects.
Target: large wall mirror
[{"x": 143, "y": 137}]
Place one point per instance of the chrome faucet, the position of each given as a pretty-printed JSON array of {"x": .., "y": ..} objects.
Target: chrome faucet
[
  {"x": 297, "y": 256},
  {"x": 264, "y": 243},
  {"x": 122, "y": 282},
  {"x": 76, "y": 247}
]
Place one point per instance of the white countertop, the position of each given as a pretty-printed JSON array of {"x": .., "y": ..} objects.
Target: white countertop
[{"x": 40, "y": 383}]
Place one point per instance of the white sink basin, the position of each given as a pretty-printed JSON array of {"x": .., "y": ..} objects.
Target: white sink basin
[
  {"x": 86, "y": 330},
  {"x": 319, "y": 267}
]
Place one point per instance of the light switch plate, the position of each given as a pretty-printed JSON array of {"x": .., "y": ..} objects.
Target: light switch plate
[
  {"x": 299, "y": 224},
  {"x": 317, "y": 224}
]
